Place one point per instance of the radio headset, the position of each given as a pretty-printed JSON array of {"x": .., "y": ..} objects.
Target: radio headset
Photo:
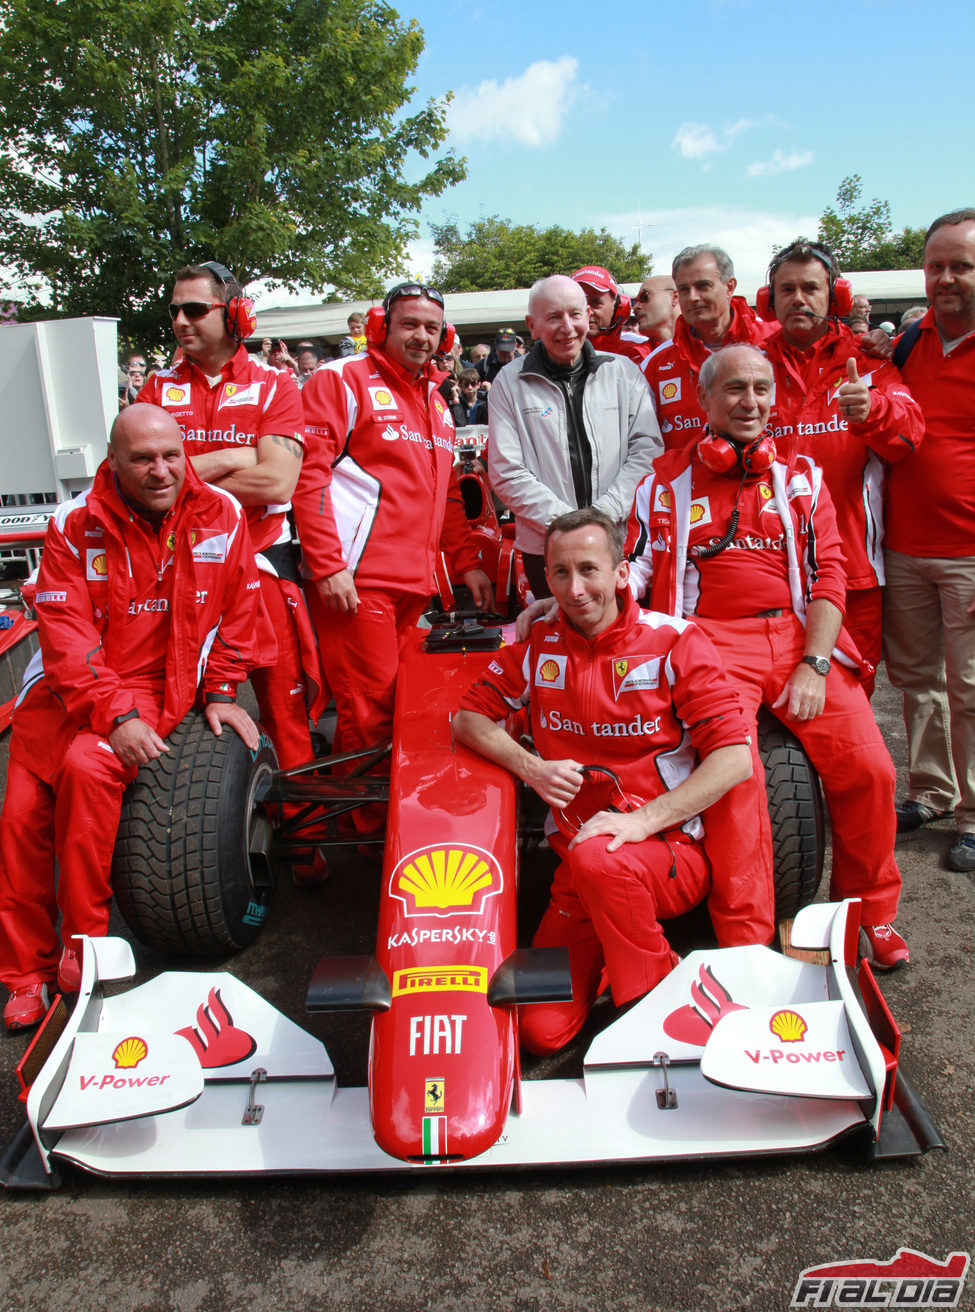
[{"x": 239, "y": 317}]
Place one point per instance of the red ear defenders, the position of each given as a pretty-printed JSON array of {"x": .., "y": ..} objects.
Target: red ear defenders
[
  {"x": 239, "y": 317},
  {"x": 840, "y": 288},
  {"x": 376, "y": 315},
  {"x": 721, "y": 456}
]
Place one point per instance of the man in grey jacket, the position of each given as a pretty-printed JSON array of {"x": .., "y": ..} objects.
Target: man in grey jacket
[{"x": 570, "y": 426}]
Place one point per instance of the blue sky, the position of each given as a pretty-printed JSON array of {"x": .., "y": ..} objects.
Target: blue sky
[{"x": 724, "y": 120}]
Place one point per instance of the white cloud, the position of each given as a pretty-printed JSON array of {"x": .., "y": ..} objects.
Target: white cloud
[
  {"x": 781, "y": 163},
  {"x": 698, "y": 140},
  {"x": 747, "y": 235},
  {"x": 530, "y": 108},
  {"x": 695, "y": 140}
]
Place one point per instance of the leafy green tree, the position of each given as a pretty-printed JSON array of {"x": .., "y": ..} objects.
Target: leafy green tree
[
  {"x": 862, "y": 237},
  {"x": 273, "y": 135},
  {"x": 494, "y": 254}
]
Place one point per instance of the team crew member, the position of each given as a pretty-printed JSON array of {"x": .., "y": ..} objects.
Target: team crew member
[
  {"x": 711, "y": 315},
  {"x": 848, "y": 410},
  {"x": 570, "y": 426},
  {"x": 609, "y": 310},
  {"x": 748, "y": 546},
  {"x": 376, "y": 498},
  {"x": 655, "y": 307},
  {"x": 635, "y": 693},
  {"x": 929, "y": 618},
  {"x": 147, "y": 604},
  {"x": 242, "y": 426}
]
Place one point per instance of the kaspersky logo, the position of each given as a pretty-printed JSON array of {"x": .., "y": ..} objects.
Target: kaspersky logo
[
  {"x": 908, "y": 1280},
  {"x": 446, "y": 879}
]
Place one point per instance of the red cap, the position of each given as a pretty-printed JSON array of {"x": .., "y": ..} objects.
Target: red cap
[{"x": 594, "y": 275}]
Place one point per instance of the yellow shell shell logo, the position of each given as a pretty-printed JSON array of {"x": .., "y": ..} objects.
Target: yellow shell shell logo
[
  {"x": 697, "y": 512},
  {"x": 664, "y": 500},
  {"x": 442, "y": 877},
  {"x": 129, "y": 1053},
  {"x": 548, "y": 671},
  {"x": 175, "y": 393},
  {"x": 788, "y": 1026},
  {"x": 383, "y": 397},
  {"x": 668, "y": 391},
  {"x": 99, "y": 565}
]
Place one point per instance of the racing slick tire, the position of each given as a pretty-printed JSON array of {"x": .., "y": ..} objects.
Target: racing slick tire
[
  {"x": 795, "y": 807},
  {"x": 191, "y": 871}
]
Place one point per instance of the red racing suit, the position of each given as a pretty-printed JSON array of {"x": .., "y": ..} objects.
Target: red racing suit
[
  {"x": 682, "y": 507},
  {"x": 377, "y": 496},
  {"x": 645, "y": 699},
  {"x": 129, "y": 618},
  {"x": 251, "y": 401},
  {"x": 805, "y": 417},
  {"x": 671, "y": 372},
  {"x": 617, "y": 341}
]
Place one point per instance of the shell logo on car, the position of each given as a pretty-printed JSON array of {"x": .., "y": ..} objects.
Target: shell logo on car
[
  {"x": 129, "y": 1053},
  {"x": 788, "y": 1026},
  {"x": 442, "y": 879}
]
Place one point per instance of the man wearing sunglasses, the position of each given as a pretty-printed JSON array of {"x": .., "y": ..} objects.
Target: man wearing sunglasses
[
  {"x": 242, "y": 429},
  {"x": 376, "y": 503},
  {"x": 642, "y": 698},
  {"x": 656, "y": 308}
]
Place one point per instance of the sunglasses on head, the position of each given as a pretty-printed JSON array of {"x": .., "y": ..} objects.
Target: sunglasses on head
[
  {"x": 193, "y": 309},
  {"x": 414, "y": 289}
]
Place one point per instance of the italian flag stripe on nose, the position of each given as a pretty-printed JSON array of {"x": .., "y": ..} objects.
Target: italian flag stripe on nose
[{"x": 434, "y": 1136}]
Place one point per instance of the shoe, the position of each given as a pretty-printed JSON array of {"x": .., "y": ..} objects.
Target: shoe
[
  {"x": 912, "y": 815},
  {"x": 883, "y": 947},
  {"x": 307, "y": 874},
  {"x": 26, "y": 1007},
  {"x": 69, "y": 971},
  {"x": 961, "y": 854}
]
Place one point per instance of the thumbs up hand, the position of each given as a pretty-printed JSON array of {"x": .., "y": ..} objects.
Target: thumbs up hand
[{"x": 854, "y": 395}]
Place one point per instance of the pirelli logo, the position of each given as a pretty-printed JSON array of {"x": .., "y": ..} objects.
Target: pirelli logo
[{"x": 440, "y": 979}]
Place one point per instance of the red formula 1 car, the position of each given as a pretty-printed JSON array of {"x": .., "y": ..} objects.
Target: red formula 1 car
[{"x": 739, "y": 1051}]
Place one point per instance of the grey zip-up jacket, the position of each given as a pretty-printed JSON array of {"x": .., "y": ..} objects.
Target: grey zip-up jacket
[{"x": 528, "y": 448}]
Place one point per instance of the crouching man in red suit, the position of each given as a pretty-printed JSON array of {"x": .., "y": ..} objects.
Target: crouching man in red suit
[
  {"x": 147, "y": 604},
  {"x": 640, "y": 696}
]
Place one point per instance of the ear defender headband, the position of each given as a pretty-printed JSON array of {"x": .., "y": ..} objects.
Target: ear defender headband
[
  {"x": 721, "y": 456},
  {"x": 840, "y": 288},
  {"x": 377, "y": 317},
  {"x": 239, "y": 317}
]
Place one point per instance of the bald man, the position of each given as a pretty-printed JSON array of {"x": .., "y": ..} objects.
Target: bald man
[
  {"x": 656, "y": 308},
  {"x": 146, "y": 604}
]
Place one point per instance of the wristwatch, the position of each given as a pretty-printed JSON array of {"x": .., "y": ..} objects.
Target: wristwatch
[{"x": 819, "y": 663}]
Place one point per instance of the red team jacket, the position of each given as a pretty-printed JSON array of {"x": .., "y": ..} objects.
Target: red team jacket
[
  {"x": 378, "y": 489},
  {"x": 251, "y": 401},
  {"x": 120, "y": 604},
  {"x": 671, "y": 372},
  {"x": 805, "y": 417},
  {"x": 931, "y": 497},
  {"x": 645, "y": 697},
  {"x": 682, "y": 492}
]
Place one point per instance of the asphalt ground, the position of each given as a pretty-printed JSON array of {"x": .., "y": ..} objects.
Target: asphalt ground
[{"x": 682, "y": 1238}]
